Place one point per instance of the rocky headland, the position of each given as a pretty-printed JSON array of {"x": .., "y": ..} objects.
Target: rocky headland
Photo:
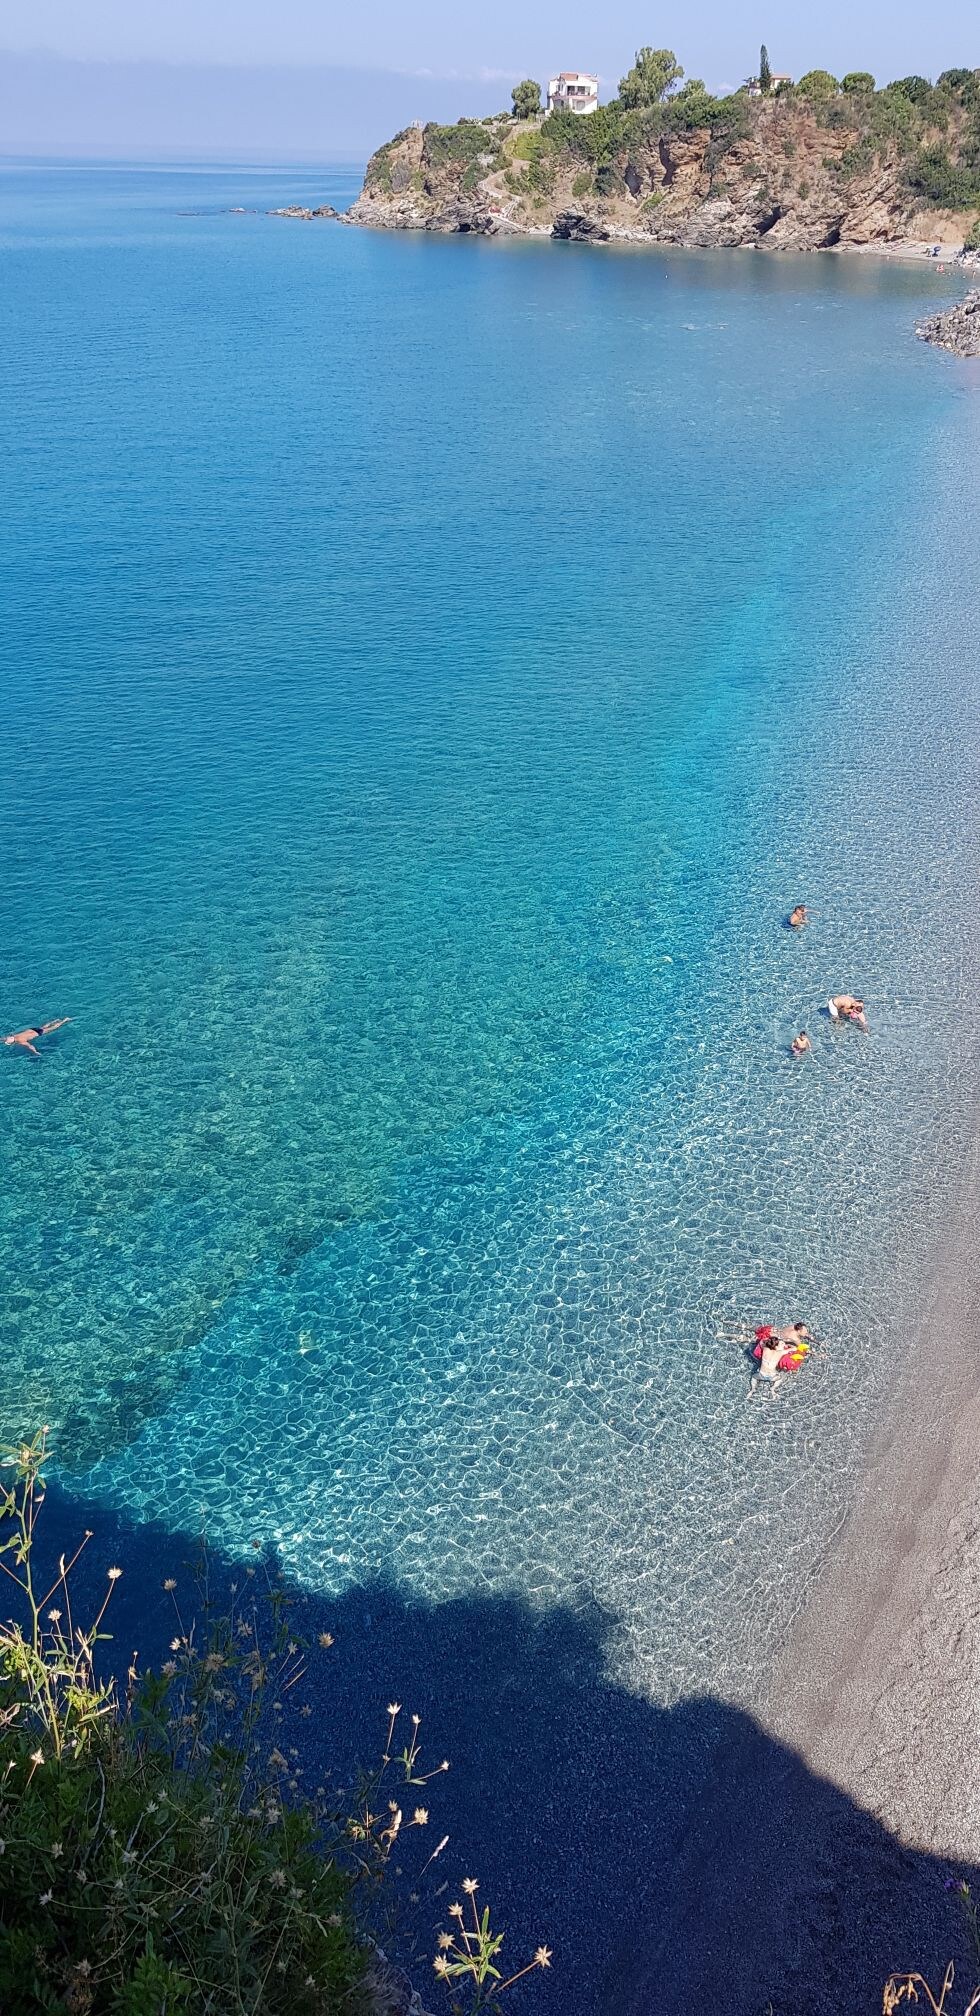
[
  {"x": 957, "y": 328},
  {"x": 853, "y": 168}
]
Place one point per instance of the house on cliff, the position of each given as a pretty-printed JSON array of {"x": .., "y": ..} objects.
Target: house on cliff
[
  {"x": 573, "y": 91},
  {"x": 778, "y": 79}
]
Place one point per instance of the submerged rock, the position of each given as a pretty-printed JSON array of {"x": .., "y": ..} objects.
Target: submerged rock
[{"x": 956, "y": 329}]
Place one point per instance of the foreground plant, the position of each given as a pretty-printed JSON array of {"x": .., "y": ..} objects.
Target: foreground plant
[
  {"x": 905, "y": 1988},
  {"x": 158, "y": 1854},
  {"x": 467, "y": 1955}
]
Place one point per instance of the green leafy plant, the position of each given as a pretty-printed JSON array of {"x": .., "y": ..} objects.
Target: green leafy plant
[
  {"x": 469, "y": 1954},
  {"x": 464, "y": 142},
  {"x": 916, "y": 89},
  {"x": 818, "y": 84},
  {"x": 160, "y": 1854},
  {"x": 653, "y": 74},
  {"x": 971, "y": 242},
  {"x": 765, "y": 72},
  {"x": 858, "y": 80},
  {"x": 526, "y": 98}
]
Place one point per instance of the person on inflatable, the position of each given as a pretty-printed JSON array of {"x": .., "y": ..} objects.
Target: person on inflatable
[{"x": 779, "y": 1350}]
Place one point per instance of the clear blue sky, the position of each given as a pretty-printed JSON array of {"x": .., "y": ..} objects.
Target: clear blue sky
[{"x": 305, "y": 77}]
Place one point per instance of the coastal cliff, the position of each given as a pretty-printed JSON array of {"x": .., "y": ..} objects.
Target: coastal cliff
[{"x": 871, "y": 168}]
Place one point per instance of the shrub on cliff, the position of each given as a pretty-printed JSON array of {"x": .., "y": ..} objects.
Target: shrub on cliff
[
  {"x": 916, "y": 89},
  {"x": 971, "y": 242},
  {"x": 158, "y": 1855},
  {"x": 947, "y": 184},
  {"x": 464, "y": 142}
]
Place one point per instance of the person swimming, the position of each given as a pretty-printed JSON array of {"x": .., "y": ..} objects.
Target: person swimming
[
  {"x": 25, "y": 1039},
  {"x": 847, "y": 1008},
  {"x": 798, "y": 917},
  {"x": 801, "y": 1044},
  {"x": 773, "y": 1345}
]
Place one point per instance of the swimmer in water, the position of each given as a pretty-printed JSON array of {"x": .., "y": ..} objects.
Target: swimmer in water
[
  {"x": 774, "y": 1345},
  {"x": 798, "y": 917},
  {"x": 25, "y": 1039},
  {"x": 847, "y": 1008},
  {"x": 801, "y": 1044}
]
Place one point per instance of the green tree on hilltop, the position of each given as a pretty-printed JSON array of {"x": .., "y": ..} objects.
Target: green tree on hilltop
[
  {"x": 818, "y": 84},
  {"x": 916, "y": 89},
  {"x": 858, "y": 80},
  {"x": 653, "y": 73},
  {"x": 765, "y": 73},
  {"x": 527, "y": 99}
]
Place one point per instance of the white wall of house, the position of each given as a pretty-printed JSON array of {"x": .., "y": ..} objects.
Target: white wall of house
[{"x": 573, "y": 91}]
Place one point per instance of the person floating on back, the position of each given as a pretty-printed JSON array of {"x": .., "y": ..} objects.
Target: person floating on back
[
  {"x": 799, "y": 917},
  {"x": 847, "y": 1008},
  {"x": 801, "y": 1044},
  {"x": 25, "y": 1039}
]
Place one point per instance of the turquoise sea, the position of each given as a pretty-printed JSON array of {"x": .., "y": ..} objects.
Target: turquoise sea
[{"x": 432, "y": 669}]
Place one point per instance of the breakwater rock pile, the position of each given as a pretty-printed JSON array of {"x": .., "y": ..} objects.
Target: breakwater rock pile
[{"x": 956, "y": 329}]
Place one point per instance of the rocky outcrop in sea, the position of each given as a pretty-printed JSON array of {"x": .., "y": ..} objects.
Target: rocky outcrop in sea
[{"x": 956, "y": 329}]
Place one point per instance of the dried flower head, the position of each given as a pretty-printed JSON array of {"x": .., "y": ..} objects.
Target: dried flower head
[
  {"x": 170, "y": 1583},
  {"x": 470, "y": 1884},
  {"x": 326, "y": 1640},
  {"x": 394, "y": 1707},
  {"x": 114, "y": 1574},
  {"x": 542, "y": 1957},
  {"x": 420, "y": 1816}
]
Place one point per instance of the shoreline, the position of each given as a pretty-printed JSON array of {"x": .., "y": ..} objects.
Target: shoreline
[
  {"x": 911, "y": 250},
  {"x": 904, "y": 1579},
  {"x": 866, "y": 1795}
]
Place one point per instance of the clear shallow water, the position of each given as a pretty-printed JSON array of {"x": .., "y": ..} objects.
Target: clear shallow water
[{"x": 433, "y": 669}]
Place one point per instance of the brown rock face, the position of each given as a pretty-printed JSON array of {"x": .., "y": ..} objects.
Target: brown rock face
[{"x": 789, "y": 181}]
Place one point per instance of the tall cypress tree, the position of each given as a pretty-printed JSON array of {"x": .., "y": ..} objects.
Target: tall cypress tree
[{"x": 765, "y": 74}]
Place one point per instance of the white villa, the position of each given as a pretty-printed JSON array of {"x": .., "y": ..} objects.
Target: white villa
[
  {"x": 779, "y": 77},
  {"x": 573, "y": 91}
]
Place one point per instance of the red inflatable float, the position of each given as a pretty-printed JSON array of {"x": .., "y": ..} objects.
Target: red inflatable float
[{"x": 791, "y": 1359}]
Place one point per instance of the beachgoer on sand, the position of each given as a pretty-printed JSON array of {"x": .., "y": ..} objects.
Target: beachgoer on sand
[{"x": 25, "y": 1039}]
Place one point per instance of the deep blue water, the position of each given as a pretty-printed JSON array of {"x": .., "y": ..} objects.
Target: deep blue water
[{"x": 432, "y": 669}]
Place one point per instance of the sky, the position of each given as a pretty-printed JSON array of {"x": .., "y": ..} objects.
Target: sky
[{"x": 309, "y": 79}]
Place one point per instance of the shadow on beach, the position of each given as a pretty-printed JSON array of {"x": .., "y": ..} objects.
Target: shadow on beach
[{"x": 679, "y": 1861}]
